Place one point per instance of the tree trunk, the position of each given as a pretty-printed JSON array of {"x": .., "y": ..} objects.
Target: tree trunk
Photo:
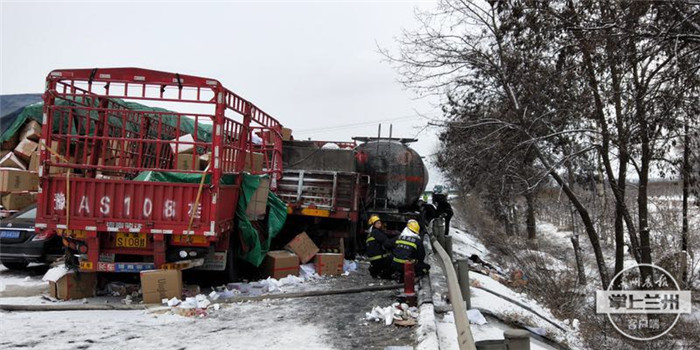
[
  {"x": 579, "y": 260},
  {"x": 516, "y": 221},
  {"x": 686, "y": 184},
  {"x": 531, "y": 221},
  {"x": 585, "y": 218},
  {"x": 605, "y": 135}
]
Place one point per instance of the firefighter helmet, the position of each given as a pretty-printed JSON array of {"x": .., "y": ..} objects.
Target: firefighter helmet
[
  {"x": 373, "y": 219},
  {"x": 413, "y": 226}
]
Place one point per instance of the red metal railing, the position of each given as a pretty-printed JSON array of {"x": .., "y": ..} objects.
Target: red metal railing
[{"x": 96, "y": 131}]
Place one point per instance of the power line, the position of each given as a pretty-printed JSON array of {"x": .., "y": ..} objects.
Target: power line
[{"x": 352, "y": 125}]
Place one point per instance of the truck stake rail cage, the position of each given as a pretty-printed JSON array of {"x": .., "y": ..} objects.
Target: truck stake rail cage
[{"x": 99, "y": 141}]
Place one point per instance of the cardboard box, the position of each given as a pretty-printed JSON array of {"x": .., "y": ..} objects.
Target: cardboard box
[
  {"x": 204, "y": 160},
  {"x": 15, "y": 180},
  {"x": 74, "y": 286},
  {"x": 281, "y": 263},
  {"x": 182, "y": 148},
  {"x": 25, "y": 149},
  {"x": 286, "y": 134},
  {"x": 34, "y": 162},
  {"x": 329, "y": 264},
  {"x": 257, "y": 207},
  {"x": 11, "y": 143},
  {"x": 31, "y": 130},
  {"x": 10, "y": 160},
  {"x": 303, "y": 247},
  {"x": 18, "y": 201},
  {"x": 333, "y": 245},
  {"x": 257, "y": 160},
  {"x": 161, "y": 284},
  {"x": 184, "y": 162}
]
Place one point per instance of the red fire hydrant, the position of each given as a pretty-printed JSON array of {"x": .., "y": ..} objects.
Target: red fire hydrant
[{"x": 409, "y": 280}]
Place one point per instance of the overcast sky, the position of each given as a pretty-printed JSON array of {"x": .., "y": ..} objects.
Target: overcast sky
[{"x": 313, "y": 66}]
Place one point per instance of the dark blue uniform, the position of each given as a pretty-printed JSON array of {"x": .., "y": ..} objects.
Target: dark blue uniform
[
  {"x": 379, "y": 247},
  {"x": 409, "y": 247}
]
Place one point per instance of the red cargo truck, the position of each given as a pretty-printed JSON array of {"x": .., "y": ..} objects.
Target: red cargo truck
[{"x": 107, "y": 131}]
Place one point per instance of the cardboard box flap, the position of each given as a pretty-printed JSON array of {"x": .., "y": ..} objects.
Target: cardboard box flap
[{"x": 303, "y": 247}]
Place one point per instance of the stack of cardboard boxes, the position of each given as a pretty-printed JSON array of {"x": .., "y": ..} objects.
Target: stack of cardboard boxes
[
  {"x": 19, "y": 161},
  {"x": 301, "y": 250}
]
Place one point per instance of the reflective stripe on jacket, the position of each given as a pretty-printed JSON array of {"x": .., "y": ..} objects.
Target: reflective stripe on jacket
[{"x": 409, "y": 247}]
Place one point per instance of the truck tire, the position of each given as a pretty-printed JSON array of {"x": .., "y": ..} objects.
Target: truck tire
[{"x": 15, "y": 265}]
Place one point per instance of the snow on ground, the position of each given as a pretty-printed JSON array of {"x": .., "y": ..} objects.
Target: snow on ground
[
  {"x": 492, "y": 330},
  {"x": 22, "y": 283},
  {"x": 465, "y": 244},
  {"x": 326, "y": 322},
  {"x": 238, "y": 326}
]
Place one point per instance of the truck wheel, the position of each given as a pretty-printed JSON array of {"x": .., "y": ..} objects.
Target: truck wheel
[{"x": 15, "y": 265}]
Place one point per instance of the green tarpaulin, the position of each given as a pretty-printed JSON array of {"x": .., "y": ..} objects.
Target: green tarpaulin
[
  {"x": 257, "y": 248},
  {"x": 35, "y": 112}
]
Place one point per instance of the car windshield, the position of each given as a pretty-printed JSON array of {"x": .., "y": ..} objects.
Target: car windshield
[{"x": 29, "y": 214}]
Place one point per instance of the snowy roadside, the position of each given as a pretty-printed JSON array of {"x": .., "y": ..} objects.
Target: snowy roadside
[
  {"x": 465, "y": 245},
  {"x": 244, "y": 326},
  {"x": 321, "y": 322}
]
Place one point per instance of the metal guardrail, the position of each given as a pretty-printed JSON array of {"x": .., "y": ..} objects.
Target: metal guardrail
[
  {"x": 465, "y": 339},
  {"x": 459, "y": 293}
]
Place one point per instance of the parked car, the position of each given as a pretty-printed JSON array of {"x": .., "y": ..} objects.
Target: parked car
[{"x": 20, "y": 245}]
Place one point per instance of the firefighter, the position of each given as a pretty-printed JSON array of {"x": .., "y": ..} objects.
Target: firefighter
[
  {"x": 379, "y": 247},
  {"x": 427, "y": 214},
  {"x": 409, "y": 247},
  {"x": 443, "y": 207}
]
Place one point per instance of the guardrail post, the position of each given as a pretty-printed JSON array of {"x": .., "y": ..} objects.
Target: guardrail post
[
  {"x": 439, "y": 230},
  {"x": 497, "y": 344},
  {"x": 463, "y": 279},
  {"x": 517, "y": 339}
]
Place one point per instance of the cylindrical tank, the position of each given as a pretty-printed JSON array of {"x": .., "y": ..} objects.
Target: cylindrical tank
[{"x": 398, "y": 175}]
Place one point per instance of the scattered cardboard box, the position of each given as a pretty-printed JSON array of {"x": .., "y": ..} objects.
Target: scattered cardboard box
[
  {"x": 18, "y": 201},
  {"x": 329, "y": 264},
  {"x": 16, "y": 180},
  {"x": 281, "y": 263},
  {"x": 157, "y": 285},
  {"x": 25, "y": 149},
  {"x": 74, "y": 286},
  {"x": 185, "y": 162},
  {"x": 286, "y": 134},
  {"x": 257, "y": 207},
  {"x": 178, "y": 147},
  {"x": 303, "y": 247},
  {"x": 31, "y": 130},
  {"x": 10, "y": 160}
]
